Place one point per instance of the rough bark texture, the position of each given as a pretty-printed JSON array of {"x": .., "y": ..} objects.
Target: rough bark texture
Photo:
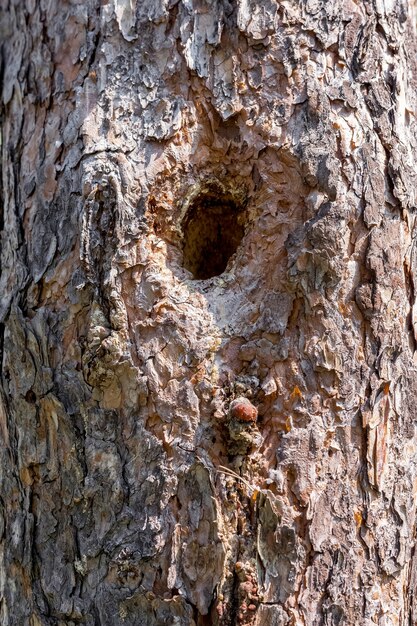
[{"x": 208, "y": 313}]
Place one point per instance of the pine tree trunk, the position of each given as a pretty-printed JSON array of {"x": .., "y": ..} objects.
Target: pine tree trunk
[{"x": 208, "y": 375}]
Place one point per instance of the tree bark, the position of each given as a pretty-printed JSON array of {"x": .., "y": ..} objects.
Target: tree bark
[{"x": 208, "y": 338}]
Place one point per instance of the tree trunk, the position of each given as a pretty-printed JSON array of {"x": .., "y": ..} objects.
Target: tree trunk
[{"x": 208, "y": 376}]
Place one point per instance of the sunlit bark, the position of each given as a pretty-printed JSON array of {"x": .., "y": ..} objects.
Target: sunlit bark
[{"x": 208, "y": 378}]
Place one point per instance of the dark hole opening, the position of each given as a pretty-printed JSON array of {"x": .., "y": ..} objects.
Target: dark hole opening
[
  {"x": 212, "y": 234},
  {"x": 30, "y": 397}
]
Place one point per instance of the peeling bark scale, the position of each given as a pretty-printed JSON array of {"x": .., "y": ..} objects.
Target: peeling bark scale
[{"x": 208, "y": 313}]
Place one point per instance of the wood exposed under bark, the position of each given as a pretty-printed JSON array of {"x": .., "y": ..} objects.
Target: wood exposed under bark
[{"x": 208, "y": 314}]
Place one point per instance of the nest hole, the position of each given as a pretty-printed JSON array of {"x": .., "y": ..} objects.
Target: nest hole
[{"x": 213, "y": 229}]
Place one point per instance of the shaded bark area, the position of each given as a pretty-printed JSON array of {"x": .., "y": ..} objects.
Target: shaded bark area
[{"x": 208, "y": 317}]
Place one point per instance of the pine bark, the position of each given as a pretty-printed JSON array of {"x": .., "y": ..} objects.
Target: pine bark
[{"x": 208, "y": 313}]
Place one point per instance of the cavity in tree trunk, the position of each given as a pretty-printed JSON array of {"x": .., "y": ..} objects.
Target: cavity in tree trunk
[{"x": 208, "y": 377}]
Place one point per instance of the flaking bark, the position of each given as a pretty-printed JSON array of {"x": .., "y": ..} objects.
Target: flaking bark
[{"x": 181, "y": 446}]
